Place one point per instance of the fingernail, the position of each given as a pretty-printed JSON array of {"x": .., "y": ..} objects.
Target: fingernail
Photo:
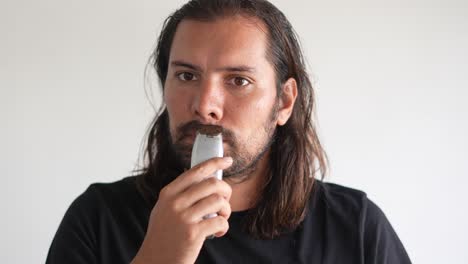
[{"x": 228, "y": 160}]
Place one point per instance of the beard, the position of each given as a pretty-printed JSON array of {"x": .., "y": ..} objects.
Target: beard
[{"x": 244, "y": 162}]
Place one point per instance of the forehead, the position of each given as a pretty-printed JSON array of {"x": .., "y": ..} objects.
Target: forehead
[{"x": 225, "y": 41}]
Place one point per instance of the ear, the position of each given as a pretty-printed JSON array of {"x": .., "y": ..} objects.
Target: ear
[{"x": 286, "y": 101}]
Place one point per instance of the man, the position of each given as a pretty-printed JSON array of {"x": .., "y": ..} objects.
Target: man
[{"x": 235, "y": 65}]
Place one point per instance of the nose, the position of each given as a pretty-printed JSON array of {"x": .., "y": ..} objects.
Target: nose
[{"x": 207, "y": 104}]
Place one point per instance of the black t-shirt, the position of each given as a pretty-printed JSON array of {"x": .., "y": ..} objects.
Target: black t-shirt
[{"x": 107, "y": 224}]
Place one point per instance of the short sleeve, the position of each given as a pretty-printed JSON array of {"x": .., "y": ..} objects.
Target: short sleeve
[
  {"x": 381, "y": 243},
  {"x": 75, "y": 240}
]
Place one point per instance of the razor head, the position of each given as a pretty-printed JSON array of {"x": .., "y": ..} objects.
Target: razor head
[
  {"x": 210, "y": 130},
  {"x": 208, "y": 144}
]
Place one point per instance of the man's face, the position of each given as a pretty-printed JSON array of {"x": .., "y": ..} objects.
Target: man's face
[{"x": 218, "y": 74}]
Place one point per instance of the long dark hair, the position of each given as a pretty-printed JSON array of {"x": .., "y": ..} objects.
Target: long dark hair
[{"x": 296, "y": 155}]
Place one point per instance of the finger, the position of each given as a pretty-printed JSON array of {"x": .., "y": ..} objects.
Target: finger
[
  {"x": 197, "y": 174},
  {"x": 205, "y": 188},
  {"x": 210, "y": 205},
  {"x": 217, "y": 225}
]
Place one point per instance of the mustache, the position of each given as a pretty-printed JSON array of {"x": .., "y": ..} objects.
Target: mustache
[{"x": 190, "y": 128}]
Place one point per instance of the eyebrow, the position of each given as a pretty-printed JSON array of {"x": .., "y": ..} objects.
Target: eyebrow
[
  {"x": 239, "y": 68},
  {"x": 186, "y": 65}
]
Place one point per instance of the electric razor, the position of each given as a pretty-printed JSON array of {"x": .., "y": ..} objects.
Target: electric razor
[{"x": 208, "y": 144}]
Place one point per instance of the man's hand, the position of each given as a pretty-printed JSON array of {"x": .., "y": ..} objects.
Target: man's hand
[{"x": 176, "y": 228}]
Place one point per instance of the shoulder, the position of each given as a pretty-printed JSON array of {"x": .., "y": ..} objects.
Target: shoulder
[
  {"x": 118, "y": 189},
  {"x": 345, "y": 200},
  {"x": 124, "y": 186},
  {"x": 104, "y": 202},
  {"x": 340, "y": 199},
  {"x": 359, "y": 219},
  {"x": 348, "y": 206},
  {"x": 107, "y": 196},
  {"x": 100, "y": 216},
  {"x": 340, "y": 193}
]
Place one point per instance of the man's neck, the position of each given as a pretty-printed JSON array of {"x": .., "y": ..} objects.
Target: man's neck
[{"x": 246, "y": 193}]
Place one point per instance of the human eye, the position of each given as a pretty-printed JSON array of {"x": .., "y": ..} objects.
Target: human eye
[
  {"x": 186, "y": 76},
  {"x": 239, "y": 81}
]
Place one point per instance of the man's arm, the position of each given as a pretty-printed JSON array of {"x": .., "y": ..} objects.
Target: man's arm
[
  {"x": 381, "y": 243},
  {"x": 75, "y": 241}
]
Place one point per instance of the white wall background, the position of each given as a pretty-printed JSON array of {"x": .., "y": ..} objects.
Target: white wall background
[{"x": 391, "y": 78}]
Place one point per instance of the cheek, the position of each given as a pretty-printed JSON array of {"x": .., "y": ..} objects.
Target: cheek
[
  {"x": 261, "y": 106},
  {"x": 175, "y": 99},
  {"x": 169, "y": 101},
  {"x": 252, "y": 113},
  {"x": 174, "y": 104}
]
